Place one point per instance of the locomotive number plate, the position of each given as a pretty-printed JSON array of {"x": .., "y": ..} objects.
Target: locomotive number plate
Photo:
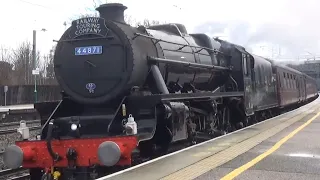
[{"x": 88, "y": 50}]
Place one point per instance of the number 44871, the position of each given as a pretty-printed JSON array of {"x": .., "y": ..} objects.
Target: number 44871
[{"x": 88, "y": 50}]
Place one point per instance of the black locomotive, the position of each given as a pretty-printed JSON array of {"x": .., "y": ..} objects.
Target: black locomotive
[{"x": 140, "y": 90}]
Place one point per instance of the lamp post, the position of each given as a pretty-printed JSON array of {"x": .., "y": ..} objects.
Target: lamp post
[{"x": 35, "y": 70}]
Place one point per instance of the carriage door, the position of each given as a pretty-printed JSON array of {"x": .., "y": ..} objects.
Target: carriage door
[{"x": 247, "y": 81}]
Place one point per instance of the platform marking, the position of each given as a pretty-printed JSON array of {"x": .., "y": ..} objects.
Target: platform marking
[{"x": 243, "y": 168}]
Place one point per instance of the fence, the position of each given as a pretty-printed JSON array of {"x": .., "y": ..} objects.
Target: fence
[{"x": 24, "y": 94}]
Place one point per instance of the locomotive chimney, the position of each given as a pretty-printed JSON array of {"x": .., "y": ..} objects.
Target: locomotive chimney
[{"x": 112, "y": 12}]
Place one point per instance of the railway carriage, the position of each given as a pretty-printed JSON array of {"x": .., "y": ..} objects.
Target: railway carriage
[
  {"x": 293, "y": 86},
  {"x": 288, "y": 85}
]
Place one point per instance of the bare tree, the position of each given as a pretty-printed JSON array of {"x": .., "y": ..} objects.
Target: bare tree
[
  {"x": 5, "y": 54},
  {"x": 5, "y": 66},
  {"x": 147, "y": 23},
  {"x": 21, "y": 59},
  {"x": 47, "y": 76},
  {"x": 90, "y": 12},
  {"x": 49, "y": 68},
  {"x": 23, "y": 63},
  {"x": 5, "y": 73},
  {"x": 50, "y": 65},
  {"x": 129, "y": 20}
]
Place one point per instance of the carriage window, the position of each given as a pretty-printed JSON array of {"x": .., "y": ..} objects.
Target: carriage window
[
  {"x": 290, "y": 81},
  {"x": 293, "y": 82}
]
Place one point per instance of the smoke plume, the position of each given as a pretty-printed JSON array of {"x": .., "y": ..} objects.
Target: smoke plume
[{"x": 294, "y": 27}]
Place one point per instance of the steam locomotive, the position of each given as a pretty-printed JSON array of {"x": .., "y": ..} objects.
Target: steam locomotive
[{"x": 129, "y": 90}]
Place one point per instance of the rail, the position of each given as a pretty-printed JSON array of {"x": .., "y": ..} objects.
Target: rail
[
  {"x": 8, "y": 131},
  {"x": 18, "y": 123},
  {"x": 22, "y": 174},
  {"x": 22, "y": 177},
  {"x": 19, "y": 173},
  {"x": 10, "y": 171}
]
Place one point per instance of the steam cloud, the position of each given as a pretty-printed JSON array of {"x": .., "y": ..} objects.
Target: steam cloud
[
  {"x": 295, "y": 28},
  {"x": 238, "y": 31}
]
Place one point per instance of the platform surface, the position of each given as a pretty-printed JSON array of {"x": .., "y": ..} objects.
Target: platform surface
[
  {"x": 234, "y": 156},
  {"x": 296, "y": 159},
  {"x": 16, "y": 107}
]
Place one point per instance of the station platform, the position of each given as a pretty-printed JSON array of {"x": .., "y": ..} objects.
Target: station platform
[
  {"x": 283, "y": 147},
  {"x": 16, "y": 107}
]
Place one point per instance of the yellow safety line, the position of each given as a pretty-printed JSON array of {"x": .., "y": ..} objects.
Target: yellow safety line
[{"x": 243, "y": 168}]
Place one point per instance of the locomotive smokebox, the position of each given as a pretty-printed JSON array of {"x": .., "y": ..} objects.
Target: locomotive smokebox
[{"x": 112, "y": 12}]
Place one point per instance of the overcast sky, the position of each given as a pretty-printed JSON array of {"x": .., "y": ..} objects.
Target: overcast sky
[{"x": 292, "y": 25}]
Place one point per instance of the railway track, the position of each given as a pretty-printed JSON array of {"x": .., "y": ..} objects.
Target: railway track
[
  {"x": 15, "y": 174},
  {"x": 8, "y": 131},
  {"x": 18, "y": 123},
  {"x": 15, "y": 115},
  {"x": 9, "y": 128},
  {"x": 20, "y": 173}
]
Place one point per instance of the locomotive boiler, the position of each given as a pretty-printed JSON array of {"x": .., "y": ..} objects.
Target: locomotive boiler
[
  {"x": 130, "y": 91},
  {"x": 98, "y": 59}
]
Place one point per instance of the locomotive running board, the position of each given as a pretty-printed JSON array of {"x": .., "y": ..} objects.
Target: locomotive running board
[
  {"x": 187, "y": 96},
  {"x": 201, "y": 95}
]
